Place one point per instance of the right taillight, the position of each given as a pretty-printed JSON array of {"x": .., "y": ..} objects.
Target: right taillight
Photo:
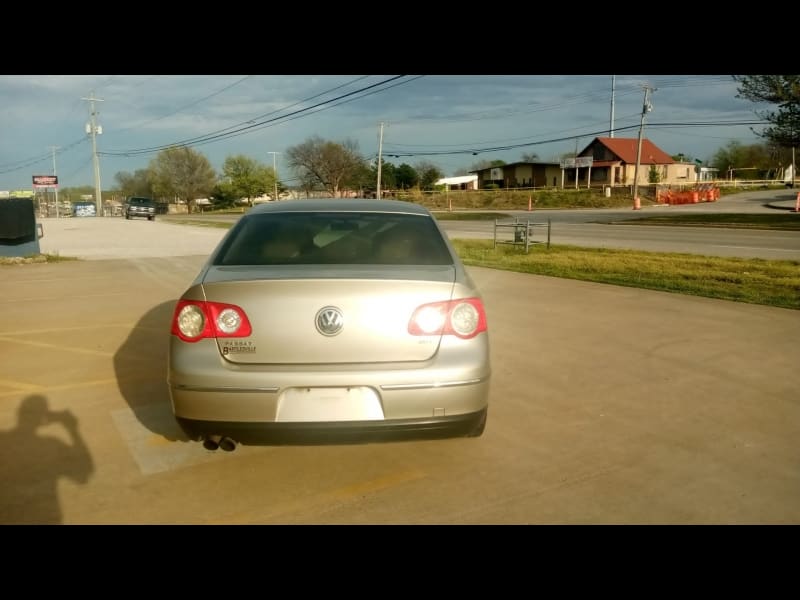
[{"x": 464, "y": 318}]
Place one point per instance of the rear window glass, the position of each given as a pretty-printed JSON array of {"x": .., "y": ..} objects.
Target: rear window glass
[{"x": 334, "y": 238}]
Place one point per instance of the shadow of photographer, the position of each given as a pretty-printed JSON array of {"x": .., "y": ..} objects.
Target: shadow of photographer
[{"x": 29, "y": 488}]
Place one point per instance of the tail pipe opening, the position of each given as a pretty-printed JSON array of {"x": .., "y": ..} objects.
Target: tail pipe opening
[
  {"x": 212, "y": 442},
  {"x": 227, "y": 444}
]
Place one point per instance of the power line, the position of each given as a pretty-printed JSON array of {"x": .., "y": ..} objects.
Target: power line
[
  {"x": 393, "y": 144},
  {"x": 177, "y": 110},
  {"x": 278, "y": 121},
  {"x": 28, "y": 162},
  {"x": 212, "y": 136},
  {"x": 569, "y": 137}
]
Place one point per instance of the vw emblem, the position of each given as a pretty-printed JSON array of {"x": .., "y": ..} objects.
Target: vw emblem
[{"x": 329, "y": 320}]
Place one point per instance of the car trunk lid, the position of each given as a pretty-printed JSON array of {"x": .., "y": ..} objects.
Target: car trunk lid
[{"x": 326, "y": 315}]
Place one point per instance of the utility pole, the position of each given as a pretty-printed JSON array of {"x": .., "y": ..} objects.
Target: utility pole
[
  {"x": 380, "y": 160},
  {"x": 611, "y": 124},
  {"x": 275, "y": 172},
  {"x": 93, "y": 129},
  {"x": 576, "y": 163},
  {"x": 646, "y": 108},
  {"x": 53, "y": 149}
]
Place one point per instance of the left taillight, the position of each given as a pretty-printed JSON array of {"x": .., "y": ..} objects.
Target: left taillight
[
  {"x": 194, "y": 320},
  {"x": 464, "y": 318}
]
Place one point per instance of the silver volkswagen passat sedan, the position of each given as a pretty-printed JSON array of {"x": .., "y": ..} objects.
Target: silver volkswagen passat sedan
[{"x": 330, "y": 317}]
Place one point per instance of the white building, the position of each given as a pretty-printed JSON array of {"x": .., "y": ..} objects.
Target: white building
[{"x": 463, "y": 182}]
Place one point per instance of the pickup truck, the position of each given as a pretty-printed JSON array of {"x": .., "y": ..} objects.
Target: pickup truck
[{"x": 140, "y": 207}]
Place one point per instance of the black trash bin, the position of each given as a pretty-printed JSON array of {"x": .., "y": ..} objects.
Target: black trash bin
[{"x": 19, "y": 231}]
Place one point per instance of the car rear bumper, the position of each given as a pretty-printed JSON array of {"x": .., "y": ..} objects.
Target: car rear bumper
[{"x": 337, "y": 432}]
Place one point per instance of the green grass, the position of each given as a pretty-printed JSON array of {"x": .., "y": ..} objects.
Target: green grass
[
  {"x": 755, "y": 281},
  {"x": 469, "y": 216},
  {"x": 787, "y": 221},
  {"x": 34, "y": 258},
  {"x": 199, "y": 223}
]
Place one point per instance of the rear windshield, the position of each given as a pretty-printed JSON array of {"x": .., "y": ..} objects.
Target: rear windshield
[{"x": 294, "y": 238}]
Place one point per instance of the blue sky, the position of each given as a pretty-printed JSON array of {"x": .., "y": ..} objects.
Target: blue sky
[{"x": 438, "y": 118}]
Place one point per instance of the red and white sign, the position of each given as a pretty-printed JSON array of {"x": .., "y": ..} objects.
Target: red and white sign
[{"x": 50, "y": 181}]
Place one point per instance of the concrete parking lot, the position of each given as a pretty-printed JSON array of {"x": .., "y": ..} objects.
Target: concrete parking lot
[{"x": 609, "y": 405}]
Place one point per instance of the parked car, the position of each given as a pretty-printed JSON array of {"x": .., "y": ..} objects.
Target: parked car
[
  {"x": 141, "y": 207},
  {"x": 331, "y": 317}
]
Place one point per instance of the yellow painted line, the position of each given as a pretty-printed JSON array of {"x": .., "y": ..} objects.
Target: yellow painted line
[
  {"x": 158, "y": 440},
  {"x": 21, "y": 386},
  {"x": 61, "y": 298},
  {"x": 323, "y": 499},
  {"x": 66, "y": 329},
  {"x": 376, "y": 485},
  {"x": 57, "y": 347},
  {"x": 65, "y": 386}
]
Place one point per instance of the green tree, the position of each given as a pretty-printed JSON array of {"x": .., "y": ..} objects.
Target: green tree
[
  {"x": 388, "y": 175},
  {"x": 754, "y": 161},
  {"x": 223, "y": 195},
  {"x": 653, "y": 176},
  {"x": 73, "y": 194},
  {"x": 406, "y": 176},
  {"x": 428, "y": 174},
  {"x": 362, "y": 178},
  {"x": 782, "y": 91},
  {"x": 486, "y": 164},
  {"x": 135, "y": 184},
  {"x": 183, "y": 173},
  {"x": 329, "y": 164},
  {"x": 248, "y": 178}
]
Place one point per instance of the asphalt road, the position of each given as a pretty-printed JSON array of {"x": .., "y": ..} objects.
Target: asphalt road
[
  {"x": 608, "y": 405},
  {"x": 599, "y": 228},
  {"x": 589, "y": 228}
]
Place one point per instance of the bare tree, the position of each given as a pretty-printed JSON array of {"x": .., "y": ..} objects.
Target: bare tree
[
  {"x": 529, "y": 157},
  {"x": 330, "y": 164},
  {"x": 182, "y": 172}
]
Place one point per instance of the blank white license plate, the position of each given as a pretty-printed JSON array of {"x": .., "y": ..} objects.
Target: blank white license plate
[{"x": 329, "y": 404}]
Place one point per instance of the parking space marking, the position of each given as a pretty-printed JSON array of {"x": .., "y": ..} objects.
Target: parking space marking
[
  {"x": 128, "y": 325},
  {"x": 4, "y": 338},
  {"x": 21, "y": 386},
  {"x": 64, "y": 386},
  {"x": 157, "y": 453},
  {"x": 59, "y": 298}
]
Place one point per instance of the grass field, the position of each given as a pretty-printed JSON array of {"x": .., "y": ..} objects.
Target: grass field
[{"x": 756, "y": 281}]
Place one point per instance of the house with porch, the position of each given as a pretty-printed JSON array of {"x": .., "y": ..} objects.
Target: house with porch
[{"x": 519, "y": 175}]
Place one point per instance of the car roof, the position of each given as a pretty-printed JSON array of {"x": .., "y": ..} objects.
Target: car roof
[{"x": 341, "y": 205}]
